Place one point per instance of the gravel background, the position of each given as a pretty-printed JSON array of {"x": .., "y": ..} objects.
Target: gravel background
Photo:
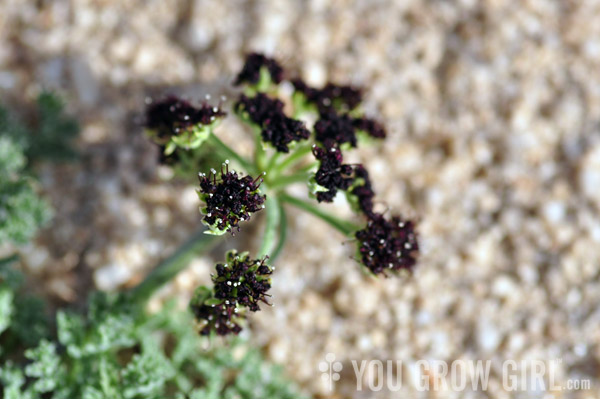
[{"x": 494, "y": 113}]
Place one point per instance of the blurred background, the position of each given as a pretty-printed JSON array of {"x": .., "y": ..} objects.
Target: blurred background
[{"x": 493, "y": 114}]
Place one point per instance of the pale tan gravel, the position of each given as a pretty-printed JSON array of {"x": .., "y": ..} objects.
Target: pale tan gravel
[{"x": 493, "y": 109}]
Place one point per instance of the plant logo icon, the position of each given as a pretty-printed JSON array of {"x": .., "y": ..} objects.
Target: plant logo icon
[{"x": 330, "y": 369}]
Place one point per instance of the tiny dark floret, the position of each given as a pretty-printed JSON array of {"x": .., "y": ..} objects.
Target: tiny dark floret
[
  {"x": 242, "y": 281},
  {"x": 276, "y": 128},
  {"x": 240, "y": 284},
  {"x": 331, "y": 97},
  {"x": 388, "y": 245},
  {"x": 215, "y": 318},
  {"x": 332, "y": 174},
  {"x": 364, "y": 191},
  {"x": 250, "y": 72},
  {"x": 229, "y": 200},
  {"x": 172, "y": 115},
  {"x": 335, "y": 127},
  {"x": 370, "y": 126}
]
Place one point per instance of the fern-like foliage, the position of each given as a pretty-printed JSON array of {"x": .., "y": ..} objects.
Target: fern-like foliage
[
  {"x": 118, "y": 351},
  {"x": 50, "y": 136},
  {"x": 22, "y": 211}
]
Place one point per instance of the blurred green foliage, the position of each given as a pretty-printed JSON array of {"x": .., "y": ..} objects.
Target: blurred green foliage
[
  {"x": 49, "y": 135},
  {"x": 119, "y": 351},
  {"x": 22, "y": 211}
]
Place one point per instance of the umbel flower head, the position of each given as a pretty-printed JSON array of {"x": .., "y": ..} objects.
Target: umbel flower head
[
  {"x": 256, "y": 66},
  {"x": 362, "y": 190},
  {"x": 387, "y": 245},
  {"x": 242, "y": 281},
  {"x": 240, "y": 284},
  {"x": 332, "y": 174},
  {"x": 276, "y": 128},
  {"x": 228, "y": 199},
  {"x": 332, "y": 97},
  {"x": 174, "y": 122},
  {"x": 341, "y": 128},
  {"x": 335, "y": 127},
  {"x": 370, "y": 126}
]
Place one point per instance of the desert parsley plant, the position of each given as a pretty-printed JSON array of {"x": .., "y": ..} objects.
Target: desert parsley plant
[{"x": 287, "y": 150}]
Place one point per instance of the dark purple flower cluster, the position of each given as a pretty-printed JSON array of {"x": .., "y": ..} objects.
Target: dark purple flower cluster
[
  {"x": 250, "y": 73},
  {"x": 276, "y": 128},
  {"x": 240, "y": 284},
  {"x": 370, "y": 126},
  {"x": 387, "y": 244},
  {"x": 335, "y": 127},
  {"x": 334, "y": 104},
  {"x": 242, "y": 281},
  {"x": 363, "y": 190},
  {"x": 172, "y": 115},
  {"x": 216, "y": 318},
  {"x": 229, "y": 200},
  {"x": 332, "y": 174},
  {"x": 331, "y": 97}
]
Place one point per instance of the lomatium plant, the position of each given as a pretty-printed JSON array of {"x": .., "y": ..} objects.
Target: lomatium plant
[
  {"x": 112, "y": 347},
  {"x": 287, "y": 150}
]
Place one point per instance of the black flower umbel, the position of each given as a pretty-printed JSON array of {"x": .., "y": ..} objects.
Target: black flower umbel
[
  {"x": 276, "y": 128},
  {"x": 370, "y": 126},
  {"x": 229, "y": 199},
  {"x": 332, "y": 174},
  {"x": 331, "y": 97},
  {"x": 242, "y": 281},
  {"x": 338, "y": 128},
  {"x": 251, "y": 72},
  {"x": 363, "y": 190},
  {"x": 174, "y": 122},
  {"x": 387, "y": 245},
  {"x": 217, "y": 318},
  {"x": 240, "y": 284}
]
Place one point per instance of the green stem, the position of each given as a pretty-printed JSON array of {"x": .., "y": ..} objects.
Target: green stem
[
  {"x": 273, "y": 216},
  {"x": 170, "y": 267},
  {"x": 294, "y": 157},
  {"x": 343, "y": 226},
  {"x": 282, "y": 233},
  {"x": 308, "y": 168},
  {"x": 273, "y": 160},
  {"x": 259, "y": 152},
  {"x": 225, "y": 150},
  {"x": 283, "y": 181}
]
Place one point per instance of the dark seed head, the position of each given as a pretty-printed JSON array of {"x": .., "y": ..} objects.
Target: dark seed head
[
  {"x": 240, "y": 284},
  {"x": 370, "y": 126},
  {"x": 388, "y": 245},
  {"x": 335, "y": 127},
  {"x": 229, "y": 200},
  {"x": 242, "y": 281},
  {"x": 172, "y": 115},
  {"x": 276, "y": 128},
  {"x": 332, "y": 97},
  {"x": 332, "y": 175},
  {"x": 363, "y": 190},
  {"x": 250, "y": 73}
]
